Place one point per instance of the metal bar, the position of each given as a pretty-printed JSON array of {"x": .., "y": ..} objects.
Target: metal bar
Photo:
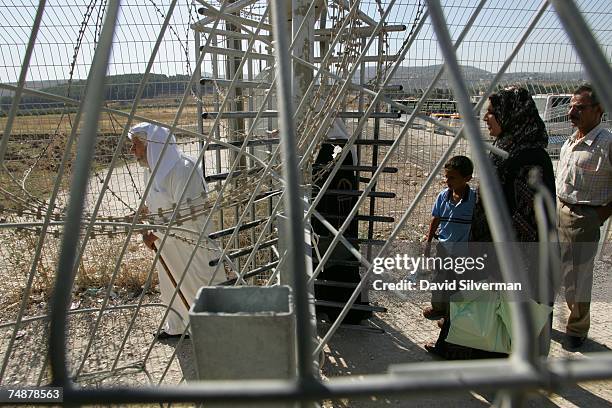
[
  {"x": 274, "y": 114},
  {"x": 111, "y": 167},
  {"x": 199, "y": 104},
  {"x": 341, "y": 142},
  {"x": 293, "y": 201},
  {"x": 230, "y": 52},
  {"x": 172, "y": 129},
  {"x": 216, "y": 128},
  {"x": 242, "y": 84},
  {"x": 363, "y": 16},
  {"x": 595, "y": 62},
  {"x": 64, "y": 277},
  {"x": 371, "y": 194},
  {"x": 358, "y": 217},
  {"x": 500, "y": 225},
  {"x": 345, "y": 241},
  {"x": 421, "y": 193},
  {"x": 220, "y": 194},
  {"x": 233, "y": 34},
  {"x": 413, "y": 380},
  {"x": 455, "y": 131},
  {"x": 250, "y": 274},
  {"x": 369, "y": 169},
  {"x": 335, "y": 284},
  {"x": 363, "y": 142},
  {"x": 25, "y": 65},
  {"x": 229, "y": 231},
  {"x": 219, "y": 143},
  {"x": 79, "y": 311},
  {"x": 241, "y": 21},
  {"x": 326, "y": 33},
  {"x": 19, "y": 89},
  {"x": 367, "y": 58},
  {"x": 224, "y": 176},
  {"x": 376, "y": 135},
  {"x": 235, "y": 127},
  {"x": 340, "y": 305},
  {"x": 232, "y": 8},
  {"x": 245, "y": 251}
]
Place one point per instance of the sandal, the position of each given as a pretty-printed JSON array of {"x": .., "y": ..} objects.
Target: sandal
[
  {"x": 431, "y": 348},
  {"x": 164, "y": 335}
]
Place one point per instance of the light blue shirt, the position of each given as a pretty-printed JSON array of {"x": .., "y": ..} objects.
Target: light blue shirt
[{"x": 455, "y": 218}]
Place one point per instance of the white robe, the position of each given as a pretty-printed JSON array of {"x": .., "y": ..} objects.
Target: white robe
[{"x": 176, "y": 253}]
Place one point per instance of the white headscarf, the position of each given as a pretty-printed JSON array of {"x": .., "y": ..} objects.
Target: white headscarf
[{"x": 156, "y": 137}]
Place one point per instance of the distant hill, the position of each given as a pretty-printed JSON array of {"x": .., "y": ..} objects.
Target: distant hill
[
  {"x": 118, "y": 88},
  {"x": 123, "y": 87},
  {"x": 421, "y": 77},
  {"x": 34, "y": 85}
]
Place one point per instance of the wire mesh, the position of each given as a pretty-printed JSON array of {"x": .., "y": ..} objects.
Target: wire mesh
[{"x": 245, "y": 188}]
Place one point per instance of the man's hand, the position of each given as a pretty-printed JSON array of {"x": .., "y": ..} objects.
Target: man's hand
[{"x": 149, "y": 238}]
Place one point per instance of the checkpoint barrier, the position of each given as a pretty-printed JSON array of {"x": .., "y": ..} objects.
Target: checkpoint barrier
[{"x": 221, "y": 316}]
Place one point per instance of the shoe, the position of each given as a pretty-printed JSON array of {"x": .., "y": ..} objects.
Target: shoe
[
  {"x": 432, "y": 314},
  {"x": 576, "y": 341},
  {"x": 440, "y": 322},
  {"x": 431, "y": 348},
  {"x": 164, "y": 335}
]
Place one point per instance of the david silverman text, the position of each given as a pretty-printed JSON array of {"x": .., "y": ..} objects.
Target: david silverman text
[{"x": 464, "y": 284}]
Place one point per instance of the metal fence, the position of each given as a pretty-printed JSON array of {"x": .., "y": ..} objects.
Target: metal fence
[{"x": 223, "y": 81}]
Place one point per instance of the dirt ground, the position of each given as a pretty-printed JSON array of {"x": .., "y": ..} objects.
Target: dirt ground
[{"x": 398, "y": 337}]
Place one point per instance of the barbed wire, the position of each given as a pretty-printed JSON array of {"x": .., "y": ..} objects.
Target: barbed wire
[{"x": 349, "y": 50}]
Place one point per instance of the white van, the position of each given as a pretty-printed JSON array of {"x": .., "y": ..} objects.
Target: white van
[{"x": 553, "y": 111}]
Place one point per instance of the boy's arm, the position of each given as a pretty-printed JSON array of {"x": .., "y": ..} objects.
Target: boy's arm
[{"x": 433, "y": 227}]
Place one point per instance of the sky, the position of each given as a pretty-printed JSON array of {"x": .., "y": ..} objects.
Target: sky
[{"x": 490, "y": 40}]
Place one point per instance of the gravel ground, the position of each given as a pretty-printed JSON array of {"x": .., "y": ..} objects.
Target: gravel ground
[{"x": 399, "y": 334}]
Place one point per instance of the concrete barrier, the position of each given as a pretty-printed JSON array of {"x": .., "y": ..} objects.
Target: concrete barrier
[{"x": 244, "y": 332}]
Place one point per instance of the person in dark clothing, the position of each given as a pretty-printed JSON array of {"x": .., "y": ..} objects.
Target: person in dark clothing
[{"x": 513, "y": 120}]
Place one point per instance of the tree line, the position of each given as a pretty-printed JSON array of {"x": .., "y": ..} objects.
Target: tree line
[{"x": 118, "y": 88}]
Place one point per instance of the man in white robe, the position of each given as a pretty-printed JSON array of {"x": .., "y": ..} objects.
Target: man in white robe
[{"x": 168, "y": 184}]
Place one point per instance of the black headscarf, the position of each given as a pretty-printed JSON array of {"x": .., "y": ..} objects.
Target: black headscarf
[
  {"x": 524, "y": 137},
  {"x": 522, "y": 127}
]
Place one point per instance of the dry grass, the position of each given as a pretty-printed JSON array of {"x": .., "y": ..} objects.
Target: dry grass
[
  {"x": 92, "y": 280},
  {"x": 50, "y": 123}
]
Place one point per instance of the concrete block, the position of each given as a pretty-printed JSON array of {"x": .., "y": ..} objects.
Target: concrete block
[{"x": 244, "y": 332}]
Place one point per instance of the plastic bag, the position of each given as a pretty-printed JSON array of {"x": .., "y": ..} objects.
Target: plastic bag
[{"x": 481, "y": 320}]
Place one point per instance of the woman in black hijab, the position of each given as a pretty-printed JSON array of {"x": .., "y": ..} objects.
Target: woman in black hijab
[{"x": 513, "y": 120}]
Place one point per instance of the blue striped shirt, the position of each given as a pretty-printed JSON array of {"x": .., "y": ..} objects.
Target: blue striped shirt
[{"x": 455, "y": 218}]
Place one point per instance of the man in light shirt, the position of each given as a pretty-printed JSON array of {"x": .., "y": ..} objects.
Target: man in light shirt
[{"x": 584, "y": 193}]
